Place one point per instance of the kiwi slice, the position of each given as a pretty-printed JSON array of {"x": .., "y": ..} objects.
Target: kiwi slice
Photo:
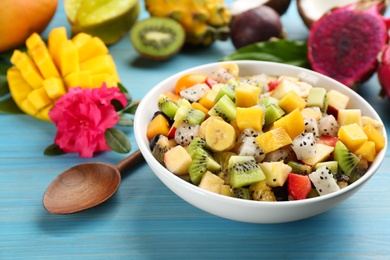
[
  {"x": 241, "y": 193},
  {"x": 271, "y": 114},
  {"x": 346, "y": 159},
  {"x": 202, "y": 162},
  {"x": 299, "y": 168},
  {"x": 224, "y": 108},
  {"x": 197, "y": 142},
  {"x": 227, "y": 89},
  {"x": 244, "y": 171},
  {"x": 167, "y": 106},
  {"x": 157, "y": 38}
]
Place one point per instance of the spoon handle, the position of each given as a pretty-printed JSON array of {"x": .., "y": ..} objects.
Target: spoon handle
[{"x": 130, "y": 161}]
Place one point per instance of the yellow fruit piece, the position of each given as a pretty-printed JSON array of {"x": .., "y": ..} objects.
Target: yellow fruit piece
[
  {"x": 98, "y": 79},
  {"x": 27, "y": 68},
  {"x": 374, "y": 135},
  {"x": 293, "y": 123},
  {"x": 376, "y": 124},
  {"x": 211, "y": 182},
  {"x": 54, "y": 88},
  {"x": 273, "y": 139},
  {"x": 349, "y": 116},
  {"x": 207, "y": 100},
  {"x": 18, "y": 86},
  {"x": 250, "y": 117},
  {"x": 198, "y": 106},
  {"x": 285, "y": 85},
  {"x": 69, "y": 58},
  {"x": 100, "y": 64},
  {"x": 352, "y": 136},
  {"x": 247, "y": 95},
  {"x": 309, "y": 112},
  {"x": 90, "y": 48},
  {"x": 367, "y": 150},
  {"x": 28, "y": 107},
  {"x": 44, "y": 113},
  {"x": 80, "y": 39},
  {"x": 292, "y": 101},
  {"x": 41, "y": 56},
  {"x": 39, "y": 98},
  {"x": 79, "y": 79},
  {"x": 323, "y": 152},
  {"x": 220, "y": 136},
  {"x": 55, "y": 39}
]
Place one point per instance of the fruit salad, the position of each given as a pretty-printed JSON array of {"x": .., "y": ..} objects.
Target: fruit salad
[{"x": 262, "y": 137}]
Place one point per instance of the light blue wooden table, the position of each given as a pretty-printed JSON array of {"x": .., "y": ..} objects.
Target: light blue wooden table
[{"x": 145, "y": 220}]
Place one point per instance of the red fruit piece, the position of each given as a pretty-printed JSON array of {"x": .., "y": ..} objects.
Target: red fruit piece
[
  {"x": 298, "y": 186},
  {"x": 344, "y": 44},
  {"x": 210, "y": 82},
  {"x": 328, "y": 140},
  {"x": 384, "y": 71}
]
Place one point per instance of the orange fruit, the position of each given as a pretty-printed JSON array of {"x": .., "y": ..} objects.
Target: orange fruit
[
  {"x": 189, "y": 80},
  {"x": 20, "y": 18}
]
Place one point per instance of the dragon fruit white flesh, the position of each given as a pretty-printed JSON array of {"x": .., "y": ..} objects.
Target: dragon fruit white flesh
[
  {"x": 221, "y": 75},
  {"x": 185, "y": 133},
  {"x": 304, "y": 146},
  {"x": 328, "y": 126},
  {"x": 311, "y": 126},
  {"x": 249, "y": 147},
  {"x": 195, "y": 92},
  {"x": 323, "y": 181},
  {"x": 383, "y": 71},
  {"x": 344, "y": 44}
]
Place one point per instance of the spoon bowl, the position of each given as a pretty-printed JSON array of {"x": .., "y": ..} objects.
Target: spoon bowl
[{"x": 86, "y": 185}]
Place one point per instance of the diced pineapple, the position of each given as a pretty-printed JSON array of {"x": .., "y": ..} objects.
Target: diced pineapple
[
  {"x": 310, "y": 112},
  {"x": 349, "y": 116},
  {"x": 246, "y": 95},
  {"x": 323, "y": 152},
  {"x": 374, "y": 135},
  {"x": 276, "y": 173},
  {"x": 211, "y": 182},
  {"x": 285, "y": 86},
  {"x": 250, "y": 117},
  {"x": 367, "y": 150},
  {"x": 273, "y": 139},
  {"x": 352, "y": 136},
  {"x": 293, "y": 123},
  {"x": 292, "y": 101}
]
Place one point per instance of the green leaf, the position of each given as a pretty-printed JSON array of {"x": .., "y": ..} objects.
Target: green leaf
[
  {"x": 282, "y": 51},
  {"x": 4, "y": 90},
  {"x": 53, "y": 150},
  {"x": 117, "y": 140},
  {"x": 122, "y": 88},
  {"x": 9, "y": 106},
  {"x": 131, "y": 109},
  {"x": 125, "y": 120}
]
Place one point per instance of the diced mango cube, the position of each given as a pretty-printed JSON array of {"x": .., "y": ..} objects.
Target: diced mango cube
[
  {"x": 39, "y": 99},
  {"x": 55, "y": 39},
  {"x": 100, "y": 64},
  {"x": 292, "y": 101},
  {"x": 159, "y": 125},
  {"x": 33, "y": 41},
  {"x": 69, "y": 58},
  {"x": 293, "y": 123},
  {"x": 44, "y": 62},
  {"x": 352, "y": 136},
  {"x": 18, "y": 86},
  {"x": 208, "y": 99},
  {"x": 99, "y": 79},
  {"x": 79, "y": 79},
  {"x": 273, "y": 139},
  {"x": 198, "y": 106},
  {"x": 247, "y": 95},
  {"x": 250, "y": 117},
  {"x": 27, "y": 68},
  {"x": 92, "y": 48},
  {"x": 374, "y": 135},
  {"x": 81, "y": 39},
  {"x": 349, "y": 116},
  {"x": 367, "y": 150},
  {"x": 54, "y": 87}
]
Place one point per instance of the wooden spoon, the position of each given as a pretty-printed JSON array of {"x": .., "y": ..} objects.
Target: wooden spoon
[{"x": 86, "y": 185}]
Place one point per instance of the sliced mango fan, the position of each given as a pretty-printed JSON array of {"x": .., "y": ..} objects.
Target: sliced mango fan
[{"x": 44, "y": 72}]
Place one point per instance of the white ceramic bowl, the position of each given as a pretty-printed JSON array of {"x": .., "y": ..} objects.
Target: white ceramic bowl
[{"x": 245, "y": 210}]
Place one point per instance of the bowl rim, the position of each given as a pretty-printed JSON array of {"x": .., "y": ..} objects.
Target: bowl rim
[{"x": 145, "y": 150}]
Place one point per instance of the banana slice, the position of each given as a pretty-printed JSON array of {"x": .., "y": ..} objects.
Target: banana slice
[
  {"x": 231, "y": 68},
  {"x": 202, "y": 128},
  {"x": 220, "y": 136}
]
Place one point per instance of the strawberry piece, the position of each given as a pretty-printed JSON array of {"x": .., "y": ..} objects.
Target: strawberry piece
[
  {"x": 298, "y": 186},
  {"x": 210, "y": 82},
  {"x": 272, "y": 84}
]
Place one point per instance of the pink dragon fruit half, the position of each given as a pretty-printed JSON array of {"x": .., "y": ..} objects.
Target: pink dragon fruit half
[
  {"x": 344, "y": 44},
  {"x": 384, "y": 71}
]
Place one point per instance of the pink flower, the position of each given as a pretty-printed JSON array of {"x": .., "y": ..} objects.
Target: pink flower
[{"x": 82, "y": 116}]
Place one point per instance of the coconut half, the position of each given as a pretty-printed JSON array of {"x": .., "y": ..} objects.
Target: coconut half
[
  {"x": 310, "y": 11},
  {"x": 240, "y": 6}
]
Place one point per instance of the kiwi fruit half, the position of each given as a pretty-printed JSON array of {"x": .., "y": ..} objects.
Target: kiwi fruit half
[{"x": 157, "y": 38}]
